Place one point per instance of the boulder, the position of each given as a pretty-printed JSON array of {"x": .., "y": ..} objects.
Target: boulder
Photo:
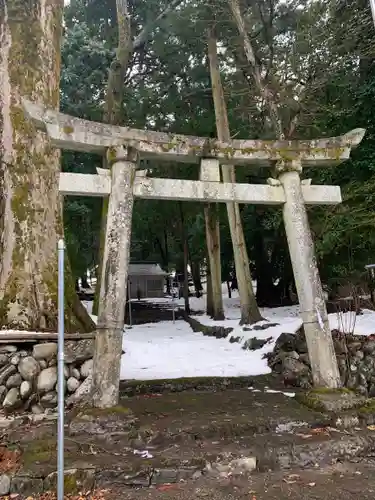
[
  {"x": 75, "y": 480},
  {"x": 86, "y": 368},
  {"x": 12, "y": 399},
  {"x": 74, "y": 372},
  {"x": 14, "y": 381},
  {"x": 45, "y": 351},
  {"x": 4, "y": 484},
  {"x": 369, "y": 347},
  {"x": 26, "y": 486},
  {"x": 339, "y": 345},
  {"x": 47, "y": 379},
  {"x": 49, "y": 399},
  {"x": 43, "y": 364},
  {"x": 4, "y": 360},
  {"x": 25, "y": 389},
  {"x": 6, "y": 372},
  {"x": 254, "y": 343},
  {"x": 15, "y": 359},
  {"x": 72, "y": 384},
  {"x": 37, "y": 409},
  {"x": 3, "y": 391},
  {"x": 286, "y": 342},
  {"x": 294, "y": 371},
  {"x": 82, "y": 393},
  {"x": 79, "y": 351},
  {"x": 8, "y": 348},
  {"x": 29, "y": 368}
]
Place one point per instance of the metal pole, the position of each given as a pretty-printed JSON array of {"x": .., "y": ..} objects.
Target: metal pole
[{"x": 61, "y": 381}]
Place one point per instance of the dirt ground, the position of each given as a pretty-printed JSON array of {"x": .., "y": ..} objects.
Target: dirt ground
[
  {"x": 342, "y": 481},
  {"x": 183, "y": 446}
]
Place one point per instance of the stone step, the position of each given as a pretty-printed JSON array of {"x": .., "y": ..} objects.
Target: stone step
[{"x": 88, "y": 465}]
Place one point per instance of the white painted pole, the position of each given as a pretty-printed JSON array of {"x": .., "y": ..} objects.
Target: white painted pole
[{"x": 61, "y": 381}]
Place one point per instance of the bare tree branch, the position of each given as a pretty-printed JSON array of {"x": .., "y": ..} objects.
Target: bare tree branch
[
  {"x": 261, "y": 85},
  {"x": 144, "y": 35},
  {"x": 125, "y": 49}
]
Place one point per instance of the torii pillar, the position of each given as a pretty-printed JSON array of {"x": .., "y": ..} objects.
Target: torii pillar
[
  {"x": 113, "y": 287},
  {"x": 306, "y": 276}
]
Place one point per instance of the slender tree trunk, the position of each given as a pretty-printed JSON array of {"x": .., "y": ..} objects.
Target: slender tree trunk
[
  {"x": 113, "y": 105},
  {"x": 196, "y": 274},
  {"x": 249, "y": 308},
  {"x": 213, "y": 249},
  {"x": 186, "y": 260},
  {"x": 209, "y": 296},
  {"x": 30, "y": 205},
  {"x": 84, "y": 282}
]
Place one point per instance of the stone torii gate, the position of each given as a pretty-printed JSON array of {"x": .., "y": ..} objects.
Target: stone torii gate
[{"x": 124, "y": 148}]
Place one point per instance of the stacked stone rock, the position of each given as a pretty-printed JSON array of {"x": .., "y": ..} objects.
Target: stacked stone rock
[
  {"x": 355, "y": 357},
  {"x": 28, "y": 376}
]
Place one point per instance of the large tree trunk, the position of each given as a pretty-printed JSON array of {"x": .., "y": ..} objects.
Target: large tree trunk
[
  {"x": 214, "y": 261},
  {"x": 249, "y": 308},
  {"x": 30, "y": 207}
]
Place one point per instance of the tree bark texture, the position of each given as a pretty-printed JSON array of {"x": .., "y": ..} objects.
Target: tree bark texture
[
  {"x": 30, "y": 206},
  {"x": 249, "y": 308}
]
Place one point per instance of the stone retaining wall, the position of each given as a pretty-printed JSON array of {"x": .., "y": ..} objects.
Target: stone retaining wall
[
  {"x": 83, "y": 480},
  {"x": 28, "y": 375},
  {"x": 220, "y": 332},
  {"x": 355, "y": 357}
]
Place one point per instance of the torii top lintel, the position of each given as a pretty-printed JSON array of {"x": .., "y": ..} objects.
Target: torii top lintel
[{"x": 67, "y": 132}]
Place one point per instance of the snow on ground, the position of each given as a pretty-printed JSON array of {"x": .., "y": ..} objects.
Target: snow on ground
[{"x": 168, "y": 350}]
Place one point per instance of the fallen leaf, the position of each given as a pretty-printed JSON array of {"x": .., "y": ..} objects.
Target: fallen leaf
[
  {"x": 304, "y": 436},
  {"x": 371, "y": 427},
  {"x": 167, "y": 487},
  {"x": 320, "y": 430},
  {"x": 311, "y": 484}
]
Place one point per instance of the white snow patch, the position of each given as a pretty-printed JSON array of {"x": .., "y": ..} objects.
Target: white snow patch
[
  {"x": 288, "y": 394},
  {"x": 168, "y": 350}
]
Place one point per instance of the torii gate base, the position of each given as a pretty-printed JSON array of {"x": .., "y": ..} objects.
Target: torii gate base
[{"x": 126, "y": 146}]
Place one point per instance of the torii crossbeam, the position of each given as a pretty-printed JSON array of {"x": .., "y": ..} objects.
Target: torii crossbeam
[{"x": 125, "y": 147}]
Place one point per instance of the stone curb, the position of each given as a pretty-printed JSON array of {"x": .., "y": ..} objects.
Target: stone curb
[
  {"x": 289, "y": 454},
  {"x": 185, "y": 384}
]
